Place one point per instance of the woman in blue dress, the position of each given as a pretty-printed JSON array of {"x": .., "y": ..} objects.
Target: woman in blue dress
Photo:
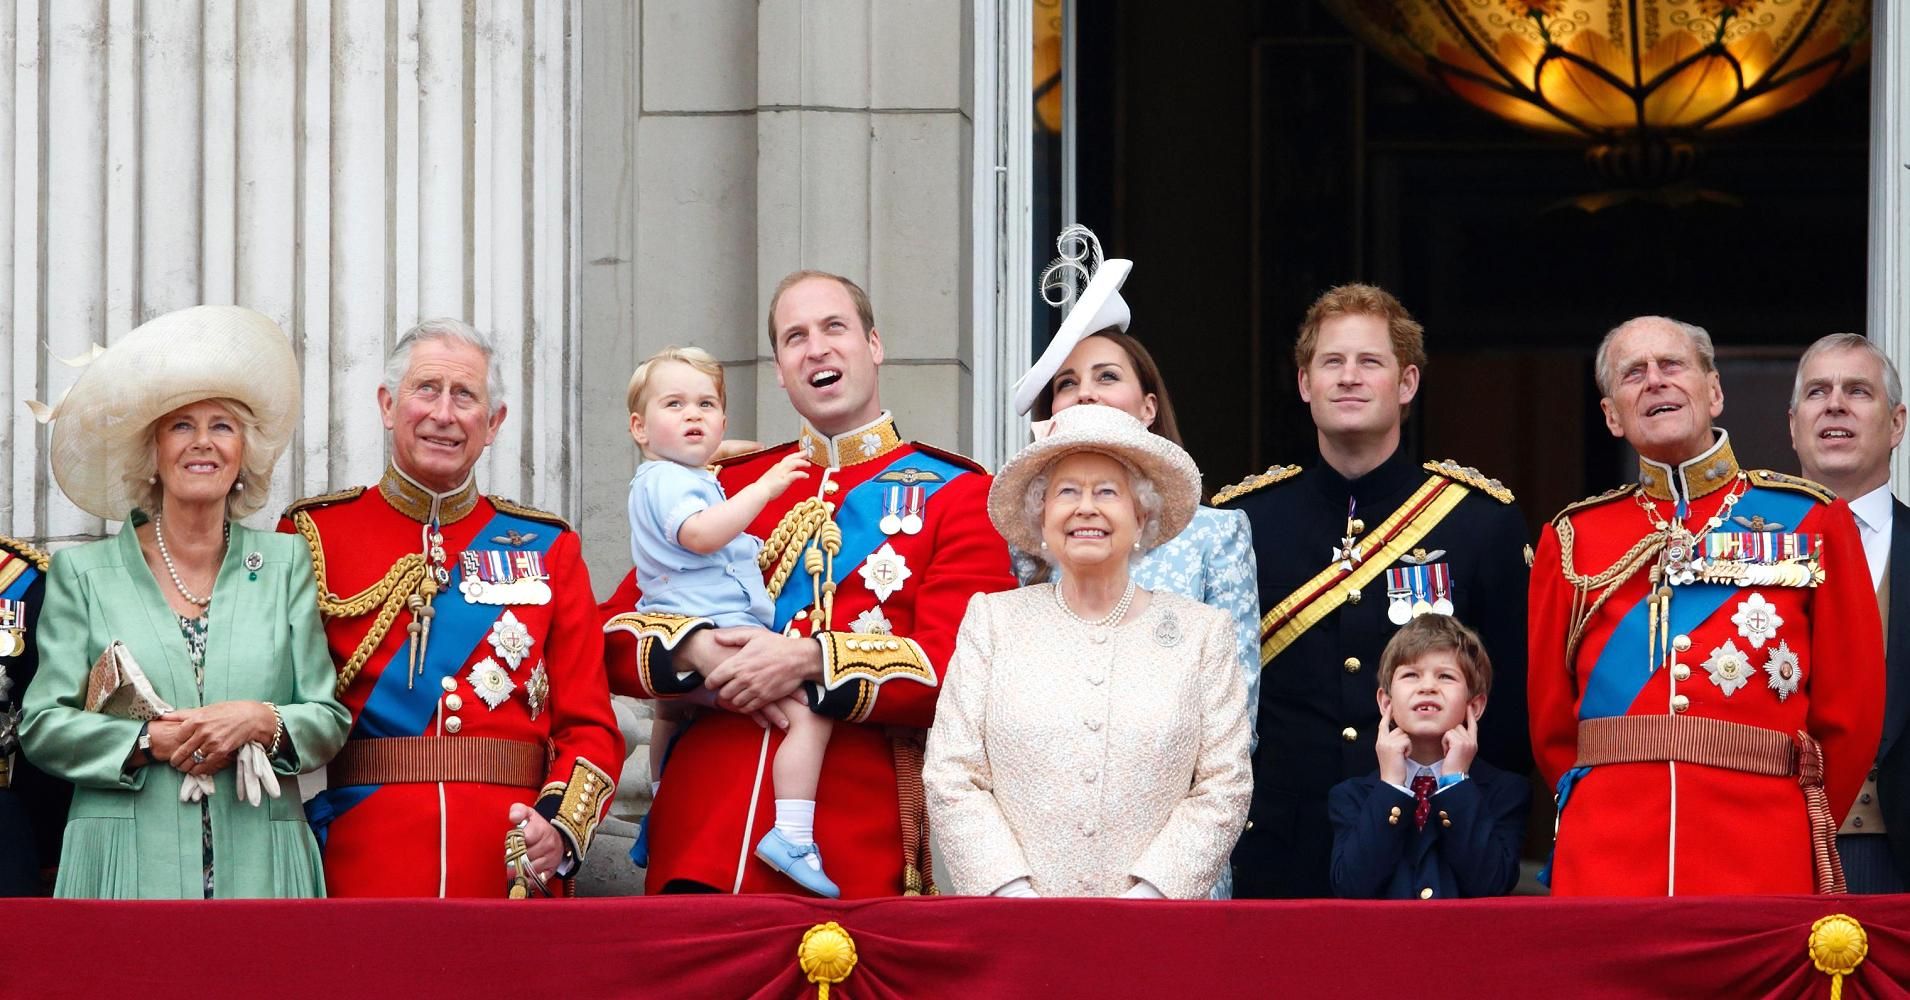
[{"x": 1093, "y": 359}]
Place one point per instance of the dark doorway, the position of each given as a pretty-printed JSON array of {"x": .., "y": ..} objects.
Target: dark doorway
[{"x": 1247, "y": 155}]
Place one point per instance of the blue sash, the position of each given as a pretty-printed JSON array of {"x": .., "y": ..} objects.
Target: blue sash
[
  {"x": 1620, "y": 672},
  {"x": 17, "y": 590},
  {"x": 860, "y": 516},
  {"x": 395, "y": 709}
]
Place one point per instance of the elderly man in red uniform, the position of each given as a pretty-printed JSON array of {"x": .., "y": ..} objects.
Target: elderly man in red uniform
[
  {"x": 1706, "y": 663},
  {"x": 468, "y": 649},
  {"x": 870, "y": 564}
]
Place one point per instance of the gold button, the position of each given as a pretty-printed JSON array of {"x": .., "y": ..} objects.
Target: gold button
[
  {"x": 1356, "y": 526},
  {"x": 1349, "y": 734},
  {"x": 1352, "y": 664},
  {"x": 453, "y": 703},
  {"x": 1353, "y": 597},
  {"x": 830, "y": 487},
  {"x": 1680, "y": 672},
  {"x": 1250, "y": 824},
  {"x": 452, "y": 724},
  {"x": 449, "y": 683},
  {"x": 1679, "y": 703},
  {"x": 1681, "y": 643},
  {"x": 1425, "y": 893}
]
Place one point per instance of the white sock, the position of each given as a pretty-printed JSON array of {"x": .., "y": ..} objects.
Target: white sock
[{"x": 796, "y": 821}]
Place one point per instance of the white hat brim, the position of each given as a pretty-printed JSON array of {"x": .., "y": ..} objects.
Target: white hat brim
[
  {"x": 1099, "y": 307},
  {"x": 182, "y": 357},
  {"x": 1108, "y": 431}
]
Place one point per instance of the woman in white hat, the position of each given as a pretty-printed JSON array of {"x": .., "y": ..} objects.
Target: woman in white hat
[
  {"x": 1089, "y": 739},
  {"x": 175, "y": 429},
  {"x": 1093, "y": 359}
]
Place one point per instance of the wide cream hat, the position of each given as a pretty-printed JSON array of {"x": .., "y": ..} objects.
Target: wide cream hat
[
  {"x": 203, "y": 352},
  {"x": 1109, "y": 431}
]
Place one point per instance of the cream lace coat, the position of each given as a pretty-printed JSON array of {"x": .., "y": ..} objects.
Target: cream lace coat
[{"x": 1084, "y": 758}]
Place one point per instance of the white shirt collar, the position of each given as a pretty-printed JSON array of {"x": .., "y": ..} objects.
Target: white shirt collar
[
  {"x": 1873, "y": 509},
  {"x": 1414, "y": 769}
]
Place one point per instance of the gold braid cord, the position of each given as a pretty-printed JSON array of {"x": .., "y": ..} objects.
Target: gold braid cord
[
  {"x": 783, "y": 548},
  {"x": 1646, "y": 549},
  {"x": 387, "y": 595}
]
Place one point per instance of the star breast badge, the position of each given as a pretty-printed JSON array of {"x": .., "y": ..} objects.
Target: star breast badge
[
  {"x": 1757, "y": 620},
  {"x": 884, "y": 571},
  {"x": 1728, "y": 667}
]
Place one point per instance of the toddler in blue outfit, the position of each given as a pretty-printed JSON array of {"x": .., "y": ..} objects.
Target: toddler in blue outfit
[{"x": 694, "y": 557}]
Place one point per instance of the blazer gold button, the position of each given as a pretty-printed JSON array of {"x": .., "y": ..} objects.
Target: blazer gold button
[
  {"x": 1352, "y": 664},
  {"x": 1425, "y": 893},
  {"x": 1250, "y": 824},
  {"x": 1356, "y": 526},
  {"x": 1349, "y": 734},
  {"x": 452, "y": 724},
  {"x": 1679, "y": 703}
]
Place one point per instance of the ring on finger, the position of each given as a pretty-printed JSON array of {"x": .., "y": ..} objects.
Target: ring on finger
[{"x": 198, "y": 757}]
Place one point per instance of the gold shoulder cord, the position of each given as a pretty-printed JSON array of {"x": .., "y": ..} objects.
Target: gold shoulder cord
[
  {"x": 1644, "y": 551},
  {"x": 808, "y": 535},
  {"x": 388, "y": 595}
]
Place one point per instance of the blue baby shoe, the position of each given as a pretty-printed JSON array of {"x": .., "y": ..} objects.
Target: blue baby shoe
[{"x": 793, "y": 861}]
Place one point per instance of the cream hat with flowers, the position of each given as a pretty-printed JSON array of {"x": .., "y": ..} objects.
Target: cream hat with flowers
[
  {"x": 203, "y": 352},
  {"x": 1107, "y": 431}
]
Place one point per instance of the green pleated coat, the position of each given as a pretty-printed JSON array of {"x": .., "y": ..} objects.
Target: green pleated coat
[{"x": 127, "y": 834}]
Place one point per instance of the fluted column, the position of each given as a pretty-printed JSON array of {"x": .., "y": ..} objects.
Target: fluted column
[{"x": 347, "y": 167}]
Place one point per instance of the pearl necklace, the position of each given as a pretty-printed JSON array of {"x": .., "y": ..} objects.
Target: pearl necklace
[
  {"x": 159, "y": 534},
  {"x": 1119, "y": 612}
]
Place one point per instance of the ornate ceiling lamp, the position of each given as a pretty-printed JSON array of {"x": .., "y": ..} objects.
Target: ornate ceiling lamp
[{"x": 1639, "y": 79}]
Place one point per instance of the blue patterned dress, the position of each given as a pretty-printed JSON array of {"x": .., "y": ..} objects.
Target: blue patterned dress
[{"x": 1212, "y": 562}]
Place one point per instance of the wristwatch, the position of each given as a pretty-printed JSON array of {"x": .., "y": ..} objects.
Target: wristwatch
[{"x": 146, "y": 743}]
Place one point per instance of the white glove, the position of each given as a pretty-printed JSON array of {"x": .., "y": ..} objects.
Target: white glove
[
  {"x": 193, "y": 787},
  {"x": 1020, "y": 888},
  {"x": 253, "y": 774},
  {"x": 1143, "y": 889}
]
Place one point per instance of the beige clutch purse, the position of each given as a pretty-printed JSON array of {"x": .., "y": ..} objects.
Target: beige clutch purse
[{"x": 117, "y": 686}]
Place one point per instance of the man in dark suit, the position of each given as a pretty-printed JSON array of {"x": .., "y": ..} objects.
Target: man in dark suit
[
  {"x": 32, "y": 805},
  {"x": 1348, "y": 551},
  {"x": 1847, "y": 416}
]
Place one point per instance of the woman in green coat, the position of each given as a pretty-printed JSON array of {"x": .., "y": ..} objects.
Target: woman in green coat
[{"x": 184, "y": 417}]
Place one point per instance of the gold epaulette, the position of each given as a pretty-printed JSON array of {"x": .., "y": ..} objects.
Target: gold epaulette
[
  {"x": 1472, "y": 477},
  {"x": 24, "y": 551},
  {"x": 516, "y": 509},
  {"x": 1259, "y": 480},
  {"x": 323, "y": 500},
  {"x": 1796, "y": 484},
  {"x": 1593, "y": 501},
  {"x": 953, "y": 458}
]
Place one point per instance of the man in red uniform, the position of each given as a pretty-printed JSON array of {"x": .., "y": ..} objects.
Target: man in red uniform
[
  {"x": 1706, "y": 662},
  {"x": 871, "y": 563},
  {"x": 468, "y": 650}
]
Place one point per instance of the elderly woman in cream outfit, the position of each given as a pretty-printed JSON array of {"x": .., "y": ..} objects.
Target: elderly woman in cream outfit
[
  {"x": 1089, "y": 739},
  {"x": 174, "y": 429}
]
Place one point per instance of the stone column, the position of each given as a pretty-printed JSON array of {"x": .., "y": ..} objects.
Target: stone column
[
  {"x": 1890, "y": 199},
  {"x": 347, "y": 167}
]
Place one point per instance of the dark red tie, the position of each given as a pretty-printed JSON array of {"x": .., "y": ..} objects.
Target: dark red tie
[{"x": 1422, "y": 799}]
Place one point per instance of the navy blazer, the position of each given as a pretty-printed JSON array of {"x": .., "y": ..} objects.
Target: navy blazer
[
  {"x": 1470, "y": 846},
  {"x": 1893, "y": 750}
]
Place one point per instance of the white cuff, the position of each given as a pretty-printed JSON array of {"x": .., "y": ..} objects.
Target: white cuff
[{"x": 1019, "y": 888}]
